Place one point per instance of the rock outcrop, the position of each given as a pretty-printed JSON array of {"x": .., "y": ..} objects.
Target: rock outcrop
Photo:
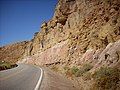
[
  {"x": 84, "y": 24},
  {"x": 80, "y": 32}
]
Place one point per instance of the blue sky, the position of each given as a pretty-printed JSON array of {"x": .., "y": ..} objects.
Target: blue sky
[{"x": 20, "y": 19}]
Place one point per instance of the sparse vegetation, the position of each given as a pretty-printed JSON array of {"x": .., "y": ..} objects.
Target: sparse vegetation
[
  {"x": 55, "y": 68},
  {"x": 83, "y": 70},
  {"x": 107, "y": 78},
  {"x": 87, "y": 76},
  {"x": 75, "y": 71},
  {"x": 6, "y": 65},
  {"x": 69, "y": 72}
]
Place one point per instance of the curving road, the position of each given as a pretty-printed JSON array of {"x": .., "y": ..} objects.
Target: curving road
[{"x": 23, "y": 77}]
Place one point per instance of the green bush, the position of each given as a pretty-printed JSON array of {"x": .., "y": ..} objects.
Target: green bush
[
  {"x": 107, "y": 78},
  {"x": 74, "y": 69},
  {"x": 83, "y": 70},
  {"x": 70, "y": 72},
  {"x": 6, "y": 65}
]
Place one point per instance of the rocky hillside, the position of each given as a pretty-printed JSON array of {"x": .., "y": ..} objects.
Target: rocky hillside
[
  {"x": 83, "y": 36},
  {"x": 86, "y": 23},
  {"x": 77, "y": 26},
  {"x": 12, "y": 53},
  {"x": 83, "y": 24}
]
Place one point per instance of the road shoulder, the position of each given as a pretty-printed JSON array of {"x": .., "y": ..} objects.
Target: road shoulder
[{"x": 54, "y": 81}]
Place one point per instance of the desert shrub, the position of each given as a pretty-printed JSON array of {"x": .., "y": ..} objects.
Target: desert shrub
[
  {"x": 55, "y": 68},
  {"x": 74, "y": 69},
  {"x": 66, "y": 68},
  {"x": 83, "y": 70},
  {"x": 107, "y": 78},
  {"x": 67, "y": 71},
  {"x": 5, "y": 65},
  {"x": 70, "y": 72},
  {"x": 87, "y": 76}
]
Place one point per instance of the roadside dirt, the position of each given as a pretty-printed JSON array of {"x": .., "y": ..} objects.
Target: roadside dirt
[{"x": 54, "y": 81}]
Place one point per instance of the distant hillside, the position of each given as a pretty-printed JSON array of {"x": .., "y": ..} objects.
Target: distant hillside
[{"x": 12, "y": 53}]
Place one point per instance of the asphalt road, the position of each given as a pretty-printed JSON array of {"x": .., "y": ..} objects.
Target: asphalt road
[{"x": 23, "y": 77}]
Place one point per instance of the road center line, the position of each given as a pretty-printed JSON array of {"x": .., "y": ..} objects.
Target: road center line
[{"x": 39, "y": 81}]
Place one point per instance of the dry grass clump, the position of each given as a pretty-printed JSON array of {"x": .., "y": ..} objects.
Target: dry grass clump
[
  {"x": 107, "y": 78},
  {"x": 83, "y": 70},
  {"x": 77, "y": 72}
]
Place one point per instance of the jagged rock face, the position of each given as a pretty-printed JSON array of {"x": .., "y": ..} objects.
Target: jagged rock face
[
  {"x": 94, "y": 22},
  {"x": 86, "y": 24},
  {"x": 12, "y": 53},
  {"x": 54, "y": 55},
  {"x": 110, "y": 56},
  {"x": 80, "y": 32}
]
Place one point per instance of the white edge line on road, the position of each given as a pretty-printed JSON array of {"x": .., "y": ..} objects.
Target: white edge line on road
[{"x": 39, "y": 81}]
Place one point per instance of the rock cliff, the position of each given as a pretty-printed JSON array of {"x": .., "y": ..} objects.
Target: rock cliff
[
  {"x": 83, "y": 24},
  {"x": 80, "y": 32}
]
